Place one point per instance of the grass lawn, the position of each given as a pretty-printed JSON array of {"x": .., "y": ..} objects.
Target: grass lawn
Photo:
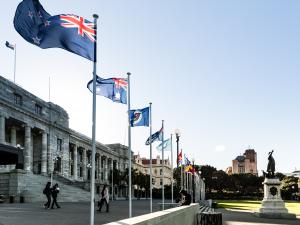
[{"x": 292, "y": 206}]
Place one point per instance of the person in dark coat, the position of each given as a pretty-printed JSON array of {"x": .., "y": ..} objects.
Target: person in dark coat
[
  {"x": 47, "y": 192},
  {"x": 186, "y": 198},
  {"x": 55, "y": 191},
  {"x": 104, "y": 199}
]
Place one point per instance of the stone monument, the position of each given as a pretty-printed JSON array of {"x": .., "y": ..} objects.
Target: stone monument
[{"x": 272, "y": 205}]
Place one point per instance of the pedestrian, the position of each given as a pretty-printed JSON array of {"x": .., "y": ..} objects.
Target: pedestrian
[
  {"x": 104, "y": 199},
  {"x": 47, "y": 192},
  {"x": 55, "y": 191},
  {"x": 186, "y": 198}
]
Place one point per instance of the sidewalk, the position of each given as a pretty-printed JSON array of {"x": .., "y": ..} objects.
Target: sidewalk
[
  {"x": 239, "y": 217},
  {"x": 69, "y": 213}
]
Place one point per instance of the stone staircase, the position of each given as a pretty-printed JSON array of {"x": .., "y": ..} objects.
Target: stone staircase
[{"x": 34, "y": 185}]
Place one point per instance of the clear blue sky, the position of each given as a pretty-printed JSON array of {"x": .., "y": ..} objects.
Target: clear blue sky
[{"x": 226, "y": 73}]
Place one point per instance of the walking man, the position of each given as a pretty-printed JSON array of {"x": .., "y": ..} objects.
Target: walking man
[
  {"x": 55, "y": 191},
  {"x": 104, "y": 199},
  {"x": 47, "y": 192}
]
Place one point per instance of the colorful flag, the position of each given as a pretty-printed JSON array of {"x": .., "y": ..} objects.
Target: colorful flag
[
  {"x": 166, "y": 145},
  {"x": 186, "y": 161},
  {"x": 139, "y": 117},
  {"x": 180, "y": 158},
  {"x": 113, "y": 88},
  {"x": 70, "y": 32},
  {"x": 157, "y": 136},
  {"x": 7, "y": 44}
]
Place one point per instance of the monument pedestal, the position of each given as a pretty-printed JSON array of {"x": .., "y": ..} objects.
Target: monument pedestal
[{"x": 272, "y": 205}]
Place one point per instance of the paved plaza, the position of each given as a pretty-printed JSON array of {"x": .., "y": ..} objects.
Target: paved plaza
[{"x": 78, "y": 214}]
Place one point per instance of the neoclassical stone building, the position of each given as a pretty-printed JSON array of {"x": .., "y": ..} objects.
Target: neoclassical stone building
[{"x": 35, "y": 136}]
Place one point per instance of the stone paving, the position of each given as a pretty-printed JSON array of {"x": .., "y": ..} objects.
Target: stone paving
[{"x": 79, "y": 214}]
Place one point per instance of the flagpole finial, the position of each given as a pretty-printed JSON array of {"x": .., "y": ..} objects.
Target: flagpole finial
[
  {"x": 95, "y": 16},
  {"x": 150, "y": 103},
  {"x": 128, "y": 74}
]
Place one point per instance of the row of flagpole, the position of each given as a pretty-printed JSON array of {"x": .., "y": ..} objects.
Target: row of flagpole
[{"x": 86, "y": 46}]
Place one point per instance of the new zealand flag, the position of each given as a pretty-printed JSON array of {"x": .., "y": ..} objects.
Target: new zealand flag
[{"x": 70, "y": 32}]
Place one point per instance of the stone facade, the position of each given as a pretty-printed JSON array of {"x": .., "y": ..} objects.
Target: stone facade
[
  {"x": 246, "y": 163},
  {"x": 41, "y": 130},
  {"x": 143, "y": 165}
]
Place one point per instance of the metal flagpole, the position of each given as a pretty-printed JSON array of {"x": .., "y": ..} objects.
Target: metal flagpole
[
  {"x": 151, "y": 185},
  {"x": 112, "y": 182},
  {"x": 163, "y": 165},
  {"x": 15, "y": 62},
  {"x": 92, "y": 219},
  {"x": 172, "y": 193},
  {"x": 129, "y": 148},
  {"x": 182, "y": 181}
]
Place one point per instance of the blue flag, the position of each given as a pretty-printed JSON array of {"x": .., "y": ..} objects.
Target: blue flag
[
  {"x": 166, "y": 145},
  {"x": 187, "y": 161},
  {"x": 157, "y": 136},
  {"x": 70, "y": 32},
  {"x": 113, "y": 88},
  {"x": 139, "y": 117}
]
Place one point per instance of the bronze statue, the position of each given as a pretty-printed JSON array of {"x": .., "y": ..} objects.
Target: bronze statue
[{"x": 271, "y": 166}]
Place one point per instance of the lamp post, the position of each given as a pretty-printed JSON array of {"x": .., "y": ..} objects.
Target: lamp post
[{"x": 177, "y": 133}]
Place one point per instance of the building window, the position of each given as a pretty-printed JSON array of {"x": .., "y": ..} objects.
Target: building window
[
  {"x": 38, "y": 109},
  {"x": 160, "y": 172},
  {"x": 59, "y": 145},
  {"x": 160, "y": 181},
  {"x": 18, "y": 99}
]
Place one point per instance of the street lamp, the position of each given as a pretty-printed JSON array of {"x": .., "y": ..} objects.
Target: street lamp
[{"x": 177, "y": 133}]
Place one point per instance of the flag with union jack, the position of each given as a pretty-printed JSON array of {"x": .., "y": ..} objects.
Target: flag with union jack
[
  {"x": 67, "y": 31},
  {"x": 112, "y": 88}
]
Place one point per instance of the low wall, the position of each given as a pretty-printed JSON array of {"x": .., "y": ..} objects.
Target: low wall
[{"x": 176, "y": 216}]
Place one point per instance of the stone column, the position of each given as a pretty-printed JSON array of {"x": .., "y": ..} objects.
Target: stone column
[
  {"x": 13, "y": 136},
  {"x": 44, "y": 153},
  {"x": 27, "y": 150},
  {"x": 2, "y": 129},
  {"x": 84, "y": 163},
  {"x": 99, "y": 168},
  {"x": 75, "y": 162},
  {"x": 106, "y": 169}
]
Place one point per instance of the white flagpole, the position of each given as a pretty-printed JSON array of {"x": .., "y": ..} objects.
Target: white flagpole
[
  {"x": 163, "y": 165},
  {"x": 129, "y": 148},
  {"x": 172, "y": 193},
  {"x": 151, "y": 185},
  {"x": 92, "y": 215}
]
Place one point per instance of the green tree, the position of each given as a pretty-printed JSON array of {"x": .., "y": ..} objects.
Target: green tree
[{"x": 289, "y": 187}]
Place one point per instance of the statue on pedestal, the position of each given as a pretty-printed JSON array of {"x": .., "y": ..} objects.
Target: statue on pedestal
[
  {"x": 271, "y": 166},
  {"x": 272, "y": 205}
]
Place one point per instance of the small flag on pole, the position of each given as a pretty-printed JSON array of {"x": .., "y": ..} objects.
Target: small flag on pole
[
  {"x": 67, "y": 31},
  {"x": 11, "y": 46},
  {"x": 180, "y": 158},
  {"x": 157, "y": 136},
  {"x": 113, "y": 88},
  {"x": 166, "y": 145},
  {"x": 139, "y": 117}
]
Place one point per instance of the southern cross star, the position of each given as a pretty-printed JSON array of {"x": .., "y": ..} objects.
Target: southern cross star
[
  {"x": 47, "y": 23},
  {"x": 36, "y": 40},
  {"x": 30, "y": 14}
]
